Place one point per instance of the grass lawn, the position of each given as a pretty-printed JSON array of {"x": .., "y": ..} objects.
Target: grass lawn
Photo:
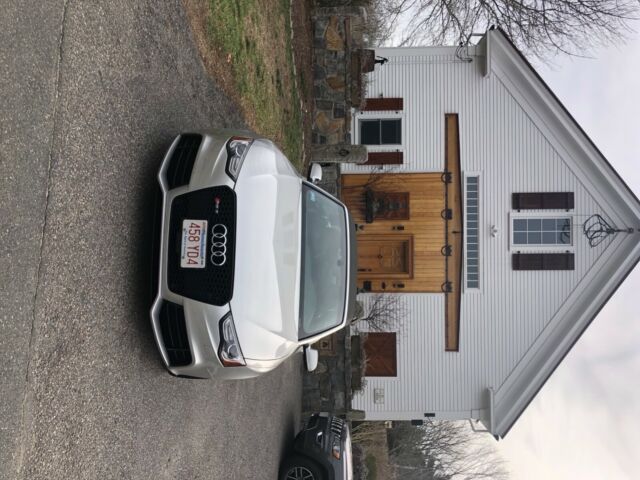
[{"x": 249, "y": 51}]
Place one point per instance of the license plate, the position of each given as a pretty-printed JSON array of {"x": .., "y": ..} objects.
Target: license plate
[{"x": 194, "y": 243}]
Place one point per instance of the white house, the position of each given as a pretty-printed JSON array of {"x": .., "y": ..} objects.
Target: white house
[{"x": 478, "y": 207}]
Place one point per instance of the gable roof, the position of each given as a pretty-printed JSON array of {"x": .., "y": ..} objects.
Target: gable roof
[{"x": 502, "y": 418}]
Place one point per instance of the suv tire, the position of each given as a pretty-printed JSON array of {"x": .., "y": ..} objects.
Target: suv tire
[{"x": 300, "y": 468}]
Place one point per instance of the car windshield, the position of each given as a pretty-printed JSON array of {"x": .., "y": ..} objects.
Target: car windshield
[{"x": 324, "y": 263}]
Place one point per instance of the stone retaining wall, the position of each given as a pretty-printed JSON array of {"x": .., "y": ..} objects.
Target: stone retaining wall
[
  {"x": 337, "y": 32},
  {"x": 328, "y": 388},
  {"x": 331, "y": 179}
]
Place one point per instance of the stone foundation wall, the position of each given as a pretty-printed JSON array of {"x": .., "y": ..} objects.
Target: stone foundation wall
[
  {"x": 331, "y": 179},
  {"x": 337, "y": 32},
  {"x": 328, "y": 388}
]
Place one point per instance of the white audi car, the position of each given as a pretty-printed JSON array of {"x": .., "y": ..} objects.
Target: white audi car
[{"x": 254, "y": 261}]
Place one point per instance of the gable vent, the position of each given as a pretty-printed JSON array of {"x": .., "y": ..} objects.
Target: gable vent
[{"x": 472, "y": 184}]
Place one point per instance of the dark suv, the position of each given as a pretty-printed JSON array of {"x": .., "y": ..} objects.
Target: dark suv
[{"x": 321, "y": 451}]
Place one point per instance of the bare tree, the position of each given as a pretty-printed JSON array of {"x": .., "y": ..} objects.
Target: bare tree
[
  {"x": 437, "y": 450},
  {"x": 376, "y": 27},
  {"x": 538, "y": 26},
  {"x": 443, "y": 450},
  {"x": 368, "y": 432},
  {"x": 383, "y": 312},
  {"x": 377, "y": 176}
]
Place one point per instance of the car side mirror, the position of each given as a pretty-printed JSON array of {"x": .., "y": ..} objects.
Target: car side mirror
[
  {"x": 315, "y": 174},
  {"x": 311, "y": 358}
]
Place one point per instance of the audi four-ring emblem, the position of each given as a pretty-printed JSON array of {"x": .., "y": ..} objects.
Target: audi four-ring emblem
[{"x": 218, "y": 244}]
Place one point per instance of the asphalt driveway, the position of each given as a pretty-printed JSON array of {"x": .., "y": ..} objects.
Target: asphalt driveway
[{"x": 91, "y": 94}]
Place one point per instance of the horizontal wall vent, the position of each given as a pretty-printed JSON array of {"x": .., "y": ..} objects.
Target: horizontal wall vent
[{"x": 472, "y": 266}]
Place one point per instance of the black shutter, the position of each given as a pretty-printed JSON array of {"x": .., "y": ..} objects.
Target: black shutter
[
  {"x": 384, "y": 158},
  {"x": 543, "y": 261},
  {"x": 542, "y": 201},
  {"x": 372, "y": 104}
]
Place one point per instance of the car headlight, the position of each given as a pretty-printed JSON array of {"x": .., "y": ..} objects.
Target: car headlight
[
  {"x": 237, "y": 148},
  {"x": 229, "y": 351},
  {"x": 335, "y": 450}
]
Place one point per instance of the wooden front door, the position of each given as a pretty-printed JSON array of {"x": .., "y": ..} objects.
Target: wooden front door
[
  {"x": 380, "y": 354},
  {"x": 384, "y": 255}
]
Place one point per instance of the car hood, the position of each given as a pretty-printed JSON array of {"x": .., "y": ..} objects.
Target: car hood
[{"x": 265, "y": 303}]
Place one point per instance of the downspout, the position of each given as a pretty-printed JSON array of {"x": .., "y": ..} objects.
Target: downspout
[{"x": 492, "y": 417}]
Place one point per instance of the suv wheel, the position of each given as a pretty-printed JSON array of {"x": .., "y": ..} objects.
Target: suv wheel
[{"x": 299, "y": 468}]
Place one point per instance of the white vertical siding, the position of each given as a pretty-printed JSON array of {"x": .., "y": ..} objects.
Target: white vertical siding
[
  {"x": 501, "y": 143},
  {"x": 415, "y": 382},
  {"x": 419, "y": 80}
]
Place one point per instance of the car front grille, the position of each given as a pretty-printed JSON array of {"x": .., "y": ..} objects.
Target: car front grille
[
  {"x": 182, "y": 160},
  {"x": 337, "y": 424},
  {"x": 212, "y": 284},
  {"x": 174, "y": 334}
]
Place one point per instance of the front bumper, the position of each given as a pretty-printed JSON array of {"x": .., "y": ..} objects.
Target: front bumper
[
  {"x": 175, "y": 316},
  {"x": 316, "y": 440}
]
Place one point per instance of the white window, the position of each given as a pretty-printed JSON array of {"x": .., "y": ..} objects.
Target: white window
[
  {"x": 541, "y": 231},
  {"x": 379, "y": 131}
]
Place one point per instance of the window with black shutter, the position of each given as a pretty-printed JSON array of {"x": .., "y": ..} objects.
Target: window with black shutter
[
  {"x": 542, "y": 201},
  {"x": 543, "y": 261},
  {"x": 541, "y": 231},
  {"x": 381, "y": 131}
]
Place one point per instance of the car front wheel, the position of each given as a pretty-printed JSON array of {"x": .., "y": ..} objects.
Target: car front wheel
[{"x": 299, "y": 468}]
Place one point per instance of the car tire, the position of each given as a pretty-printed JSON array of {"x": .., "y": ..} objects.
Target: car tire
[{"x": 300, "y": 468}]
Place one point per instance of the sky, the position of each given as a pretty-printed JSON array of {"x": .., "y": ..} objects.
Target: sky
[{"x": 585, "y": 422}]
